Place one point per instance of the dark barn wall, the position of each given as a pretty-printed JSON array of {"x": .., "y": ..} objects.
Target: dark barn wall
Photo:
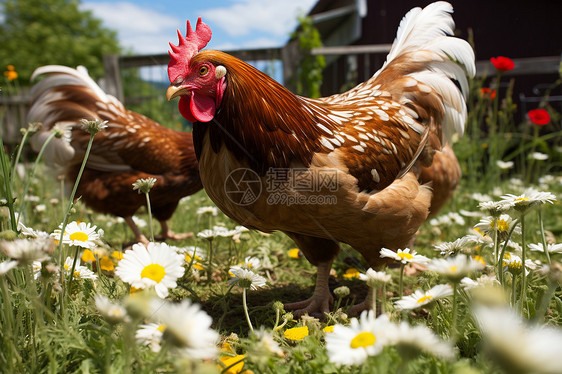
[{"x": 508, "y": 28}]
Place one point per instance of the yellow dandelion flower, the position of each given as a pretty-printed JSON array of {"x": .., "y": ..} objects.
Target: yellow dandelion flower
[
  {"x": 295, "y": 253},
  {"x": 106, "y": 263},
  {"x": 88, "y": 256},
  {"x": 351, "y": 273},
  {"x": 11, "y": 73},
  {"x": 237, "y": 363},
  {"x": 296, "y": 333},
  {"x": 117, "y": 255}
]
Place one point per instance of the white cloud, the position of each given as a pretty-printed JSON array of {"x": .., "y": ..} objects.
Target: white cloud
[
  {"x": 143, "y": 30},
  {"x": 244, "y": 17},
  {"x": 236, "y": 24}
]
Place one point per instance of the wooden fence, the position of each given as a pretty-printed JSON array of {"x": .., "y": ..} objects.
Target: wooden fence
[{"x": 14, "y": 108}]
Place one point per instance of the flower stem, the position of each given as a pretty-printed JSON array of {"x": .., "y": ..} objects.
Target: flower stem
[
  {"x": 543, "y": 239},
  {"x": 149, "y": 217},
  {"x": 210, "y": 264},
  {"x": 18, "y": 155},
  {"x": 72, "y": 270},
  {"x": 401, "y": 282},
  {"x": 67, "y": 213},
  {"x": 500, "y": 260},
  {"x": 455, "y": 310},
  {"x": 523, "y": 258},
  {"x": 246, "y": 309},
  {"x": 6, "y": 172},
  {"x": 513, "y": 289},
  {"x": 32, "y": 173}
]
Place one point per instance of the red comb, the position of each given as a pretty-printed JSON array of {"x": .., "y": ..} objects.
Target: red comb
[{"x": 193, "y": 42}]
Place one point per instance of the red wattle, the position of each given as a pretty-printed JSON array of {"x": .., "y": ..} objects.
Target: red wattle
[
  {"x": 184, "y": 107},
  {"x": 202, "y": 107}
]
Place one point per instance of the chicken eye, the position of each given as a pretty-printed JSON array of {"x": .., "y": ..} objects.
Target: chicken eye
[{"x": 203, "y": 70}]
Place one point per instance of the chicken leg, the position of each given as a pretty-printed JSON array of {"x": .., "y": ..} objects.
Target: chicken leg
[{"x": 321, "y": 300}]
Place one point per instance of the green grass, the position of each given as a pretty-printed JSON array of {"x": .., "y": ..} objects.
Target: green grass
[{"x": 37, "y": 334}]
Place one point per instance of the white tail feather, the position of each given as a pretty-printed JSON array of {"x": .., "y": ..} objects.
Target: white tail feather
[{"x": 426, "y": 35}]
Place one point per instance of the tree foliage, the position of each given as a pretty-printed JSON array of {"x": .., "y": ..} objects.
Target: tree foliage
[
  {"x": 41, "y": 32},
  {"x": 310, "y": 68}
]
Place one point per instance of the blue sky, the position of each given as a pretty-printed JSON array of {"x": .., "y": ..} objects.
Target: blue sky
[{"x": 146, "y": 26}]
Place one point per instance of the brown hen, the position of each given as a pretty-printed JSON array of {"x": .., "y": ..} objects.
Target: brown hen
[
  {"x": 131, "y": 147},
  {"x": 356, "y": 167}
]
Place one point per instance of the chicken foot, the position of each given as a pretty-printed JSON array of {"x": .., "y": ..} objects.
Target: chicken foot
[
  {"x": 321, "y": 300},
  {"x": 168, "y": 234}
]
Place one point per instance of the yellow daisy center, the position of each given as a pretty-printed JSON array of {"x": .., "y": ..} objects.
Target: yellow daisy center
[
  {"x": 424, "y": 298},
  {"x": 480, "y": 259},
  {"x": 453, "y": 269},
  {"x": 522, "y": 199},
  {"x": 405, "y": 255},
  {"x": 161, "y": 328},
  {"x": 503, "y": 225},
  {"x": 362, "y": 340},
  {"x": 329, "y": 328},
  {"x": 156, "y": 272},
  {"x": 79, "y": 236}
]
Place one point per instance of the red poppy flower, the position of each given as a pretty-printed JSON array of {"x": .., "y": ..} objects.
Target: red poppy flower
[
  {"x": 487, "y": 93},
  {"x": 539, "y": 116},
  {"x": 502, "y": 63}
]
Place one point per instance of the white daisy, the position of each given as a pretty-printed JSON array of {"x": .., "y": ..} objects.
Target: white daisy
[
  {"x": 144, "y": 185},
  {"x": 504, "y": 223},
  {"x": 410, "y": 340},
  {"x": 207, "y": 234},
  {"x": 113, "y": 313},
  {"x": 514, "y": 264},
  {"x": 80, "y": 272},
  {"x": 504, "y": 165},
  {"x": 528, "y": 199},
  {"x": 516, "y": 346},
  {"x": 28, "y": 231},
  {"x": 157, "y": 266},
  {"x": 213, "y": 210},
  {"x": 404, "y": 256},
  {"x": 551, "y": 248},
  {"x": 539, "y": 156},
  {"x": 374, "y": 278},
  {"x": 6, "y": 266},
  {"x": 448, "y": 219},
  {"x": 150, "y": 334},
  {"x": 246, "y": 278},
  {"x": 364, "y": 337},
  {"x": 268, "y": 343},
  {"x": 455, "y": 268},
  {"x": 251, "y": 263},
  {"x": 482, "y": 281},
  {"x": 25, "y": 251},
  {"x": 494, "y": 208},
  {"x": 449, "y": 248},
  {"x": 420, "y": 298},
  {"x": 80, "y": 234},
  {"x": 187, "y": 327}
]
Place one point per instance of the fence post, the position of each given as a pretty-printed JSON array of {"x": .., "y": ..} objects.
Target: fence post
[{"x": 113, "y": 85}]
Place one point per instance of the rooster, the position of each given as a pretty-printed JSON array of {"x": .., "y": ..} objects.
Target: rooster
[
  {"x": 374, "y": 151},
  {"x": 131, "y": 147}
]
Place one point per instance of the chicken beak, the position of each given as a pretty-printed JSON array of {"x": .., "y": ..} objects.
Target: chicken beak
[{"x": 175, "y": 91}]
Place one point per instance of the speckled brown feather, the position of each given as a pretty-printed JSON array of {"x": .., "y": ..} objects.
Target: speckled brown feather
[{"x": 132, "y": 147}]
